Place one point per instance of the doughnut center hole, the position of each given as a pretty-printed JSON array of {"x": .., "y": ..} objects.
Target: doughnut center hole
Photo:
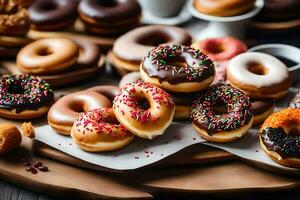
[
  {"x": 220, "y": 108},
  {"x": 48, "y": 6},
  {"x": 77, "y": 107},
  {"x": 15, "y": 89},
  {"x": 44, "y": 51},
  {"x": 257, "y": 68},
  {"x": 143, "y": 103},
  {"x": 217, "y": 48},
  {"x": 153, "y": 40}
]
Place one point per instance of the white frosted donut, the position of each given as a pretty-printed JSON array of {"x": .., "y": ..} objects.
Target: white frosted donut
[{"x": 259, "y": 75}]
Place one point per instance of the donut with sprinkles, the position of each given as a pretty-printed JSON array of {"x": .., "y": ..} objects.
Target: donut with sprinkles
[
  {"x": 178, "y": 68},
  {"x": 222, "y": 114},
  {"x": 24, "y": 97},
  {"x": 144, "y": 109},
  {"x": 99, "y": 130}
]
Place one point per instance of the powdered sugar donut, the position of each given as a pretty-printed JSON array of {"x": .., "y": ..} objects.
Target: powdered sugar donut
[{"x": 259, "y": 75}]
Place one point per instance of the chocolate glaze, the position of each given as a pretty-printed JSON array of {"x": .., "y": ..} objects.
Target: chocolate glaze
[
  {"x": 260, "y": 106},
  {"x": 109, "y": 10},
  {"x": 276, "y": 139},
  {"x": 295, "y": 101},
  {"x": 17, "y": 92},
  {"x": 51, "y": 12},
  {"x": 159, "y": 64}
]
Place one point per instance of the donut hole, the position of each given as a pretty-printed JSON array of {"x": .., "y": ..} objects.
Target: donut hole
[
  {"x": 153, "y": 40},
  {"x": 257, "y": 68},
  {"x": 15, "y": 89},
  {"x": 44, "y": 51},
  {"x": 220, "y": 108},
  {"x": 143, "y": 102},
  {"x": 216, "y": 48},
  {"x": 77, "y": 107},
  {"x": 48, "y": 6}
]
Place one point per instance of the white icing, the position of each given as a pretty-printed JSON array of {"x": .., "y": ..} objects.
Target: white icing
[{"x": 238, "y": 68}]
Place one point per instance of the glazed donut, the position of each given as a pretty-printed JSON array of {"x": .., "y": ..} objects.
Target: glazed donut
[
  {"x": 66, "y": 110},
  {"x": 51, "y": 15},
  {"x": 109, "y": 91},
  {"x": 89, "y": 53},
  {"x": 224, "y": 8},
  {"x": 47, "y": 56},
  {"x": 178, "y": 68},
  {"x": 144, "y": 109},
  {"x": 10, "y": 137},
  {"x": 130, "y": 78},
  {"x": 279, "y": 137},
  {"x": 109, "y": 17},
  {"x": 24, "y": 97},
  {"x": 218, "y": 124},
  {"x": 261, "y": 109},
  {"x": 14, "y": 20},
  {"x": 275, "y": 11},
  {"x": 295, "y": 101},
  {"x": 221, "y": 49},
  {"x": 129, "y": 49},
  {"x": 99, "y": 130},
  {"x": 259, "y": 75}
]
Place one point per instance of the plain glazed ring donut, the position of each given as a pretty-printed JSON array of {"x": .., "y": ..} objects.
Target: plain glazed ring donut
[
  {"x": 24, "y": 97},
  {"x": 259, "y": 75},
  {"x": 178, "y": 68},
  {"x": 224, "y": 8},
  {"x": 47, "y": 15},
  {"x": 66, "y": 110},
  {"x": 109, "y": 18},
  {"x": 14, "y": 20},
  {"x": 89, "y": 53},
  {"x": 144, "y": 109},
  {"x": 47, "y": 56},
  {"x": 221, "y": 49},
  {"x": 109, "y": 91},
  {"x": 99, "y": 130},
  {"x": 129, "y": 49},
  {"x": 216, "y": 123},
  {"x": 279, "y": 137},
  {"x": 261, "y": 109}
]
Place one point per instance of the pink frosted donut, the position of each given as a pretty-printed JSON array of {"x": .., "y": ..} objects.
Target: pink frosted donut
[
  {"x": 220, "y": 68},
  {"x": 221, "y": 49}
]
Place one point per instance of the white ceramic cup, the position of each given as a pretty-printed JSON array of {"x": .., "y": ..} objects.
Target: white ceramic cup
[{"x": 162, "y": 8}]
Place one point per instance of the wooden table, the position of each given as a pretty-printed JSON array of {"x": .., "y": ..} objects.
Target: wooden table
[{"x": 12, "y": 192}]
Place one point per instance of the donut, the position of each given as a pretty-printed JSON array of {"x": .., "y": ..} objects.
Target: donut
[
  {"x": 51, "y": 15},
  {"x": 13, "y": 41},
  {"x": 9, "y": 52},
  {"x": 279, "y": 137},
  {"x": 220, "y": 68},
  {"x": 109, "y": 91},
  {"x": 295, "y": 101},
  {"x": 10, "y": 137},
  {"x": 222, "y": 114},
  {"x": 99, "y": 130},
  {"x": 261, "y": 109},
  {"x": 144, "y": 109},
  {"x": 277, "y": 11},
  {"x": 24, "y": 97},
  {"x": 46, "y": 56},
  {"x": 224, "y": 8},
  {"x": 259, "y": 75},
  {"x": 178, "y": 68},
  {"x": 89, "y": 54},
  {"x": 66, "y": 110},
  {"x": 130, "y": 78},
  {"x": 109, "y": 17},
  {"x": 14, "y": 20},
  {"x": 221, "y": 49},
  {"x": 129, "y": 49}
]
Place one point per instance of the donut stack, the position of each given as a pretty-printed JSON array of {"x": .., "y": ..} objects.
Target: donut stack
[
  {"x": 109, "y": 17},
  {"x": 14, "y": 25},
  {"x": 180, "y": 70},
  {"x": 129, "y": 49},
  {"x": 52, "y": 58}
]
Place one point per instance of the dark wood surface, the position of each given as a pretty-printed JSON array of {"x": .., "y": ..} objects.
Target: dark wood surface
[{"x": 12, "y": 192}]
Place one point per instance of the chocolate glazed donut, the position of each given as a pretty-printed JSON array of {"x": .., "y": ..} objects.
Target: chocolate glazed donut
[{"x": 52, "y": 14}]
